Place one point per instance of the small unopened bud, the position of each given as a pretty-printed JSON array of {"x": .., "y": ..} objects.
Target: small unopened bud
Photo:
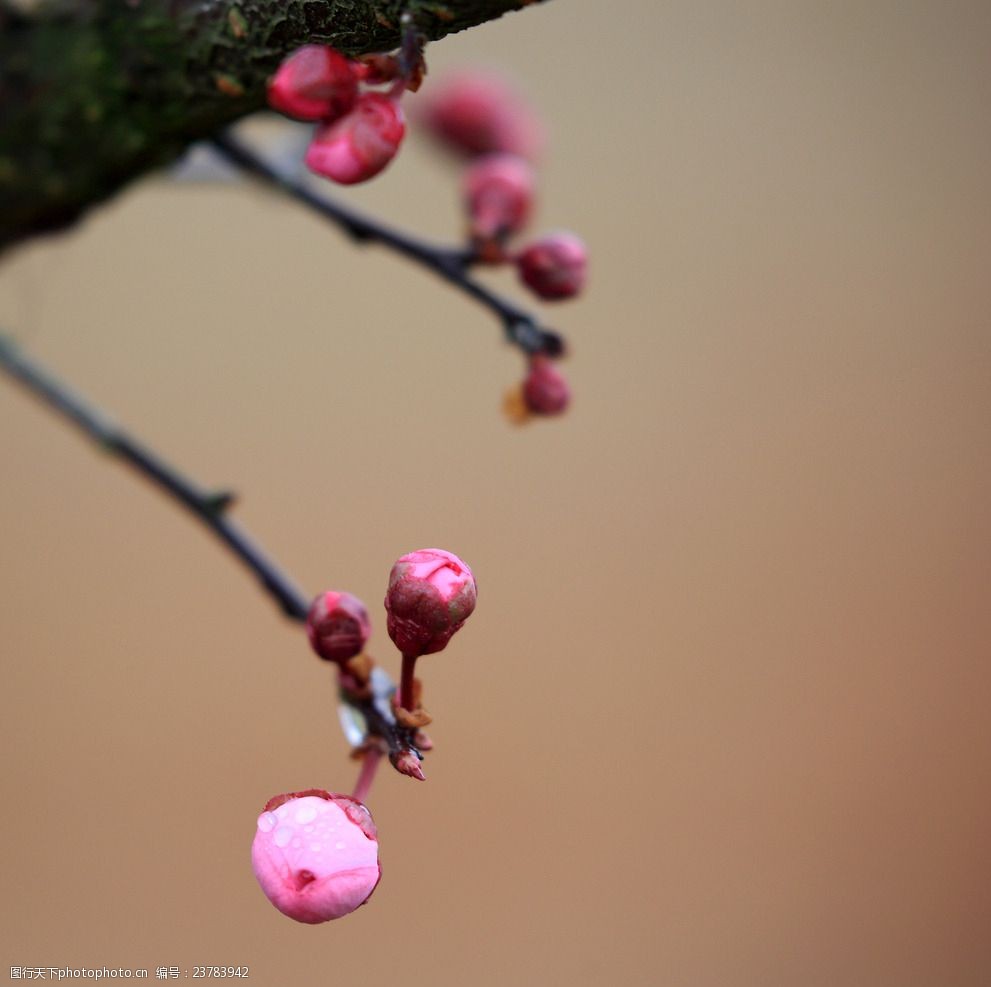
[
  {"x": 314, "y": 83},
  {"x": 499, "y": 193},
  {"x": 315, "y": 855},
  {"x": 358, "y": 146},
  {"x": 554, "y": 266},
  {"x": 337, "y": 626},
  {"x": 431, "y": 594},
  {"x": 407, "y": 763},
  {"x": 481, "y": 114},
  {"x": 545, "y": 390}
]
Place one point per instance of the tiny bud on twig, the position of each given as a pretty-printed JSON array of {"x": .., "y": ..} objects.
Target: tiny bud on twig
[
  {"x": 476, "y": 114},
  {"x": 358, "y": 146},
  {"x": 545, "y": 390},
  {"x": 431, "y": 594},
  {"x": 554, "y": 267},
  {"x": 407, "y": 763},
  {"x": 337, "y": 626},
  {"x": 314, "y": 83},
  {"x": 498, "y": 193}
]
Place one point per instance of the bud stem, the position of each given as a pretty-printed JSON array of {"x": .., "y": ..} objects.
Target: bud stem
[
  {"x": 369, "y": 765},
  {"x": 406, "y": 683}
]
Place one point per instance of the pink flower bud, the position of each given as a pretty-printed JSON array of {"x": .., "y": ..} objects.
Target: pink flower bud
[
  {"x": 315, "y": 855},
  {"x": 314, "y": 83},
  {"x": 358, "y": 146},
  {"x": 555, "y": 266},
  {"x": 480, "y": 114},
  {"x": 498, "y": 194},
  {"x": 338, "y": 626},
  {"x": 407, "y": 763},
  {"x": 545, "y": 390},
  {"x": 431, "y": 594}
]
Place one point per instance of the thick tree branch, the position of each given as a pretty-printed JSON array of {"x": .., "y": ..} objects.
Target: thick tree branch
[{"x": 94, "y": 93}]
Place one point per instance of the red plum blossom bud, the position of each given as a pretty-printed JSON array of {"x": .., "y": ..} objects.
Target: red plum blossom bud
[
  {"x": 315, "y": 855},
  {"x": 499, "y": 195},
  {"x": 477, "y": 113},
  {"x": 358, "y": 146},
  {"x": 545, "y": 390},
  {"x": 314, "y": 83},
  {"x": 554, "y": 266},
  {"x": 338, "y": 626},
  {"x": 431, "y": 594}
]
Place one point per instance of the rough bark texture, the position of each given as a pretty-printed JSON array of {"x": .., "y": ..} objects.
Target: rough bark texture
[{"x": 96, "y": 92}]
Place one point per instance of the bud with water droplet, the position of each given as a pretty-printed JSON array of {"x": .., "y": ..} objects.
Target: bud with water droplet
[{"x": 315, "y": 855}]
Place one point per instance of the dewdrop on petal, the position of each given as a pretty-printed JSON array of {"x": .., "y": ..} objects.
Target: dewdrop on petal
[
  {"x": 315, "y": 855},
  {"x": 431, "y": 594}
]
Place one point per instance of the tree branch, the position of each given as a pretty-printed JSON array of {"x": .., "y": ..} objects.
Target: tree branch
[
  {"x": 451, "y": 264},
  {"x": 94, "y": 93},
  {"x": 209, "y": 507}
]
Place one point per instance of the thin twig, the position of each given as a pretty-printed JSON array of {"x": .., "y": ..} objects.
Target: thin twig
[
  {"x": 207, "y": 506},
  {"x": 452, "y": 265},
  {"x": 369, "y": 764}
]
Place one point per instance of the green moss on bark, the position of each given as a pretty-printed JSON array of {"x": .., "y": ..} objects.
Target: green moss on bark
[{"x": 94, "y": 93}]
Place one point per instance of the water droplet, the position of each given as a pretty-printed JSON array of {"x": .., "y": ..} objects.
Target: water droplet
[
  {"x": 282, "y": 836},
  {"x": 339, "y": 845},
  {"x": 306, "y": 813},
  {"x": 266, "y": 822},
  {"x": 316, "y": 847}
]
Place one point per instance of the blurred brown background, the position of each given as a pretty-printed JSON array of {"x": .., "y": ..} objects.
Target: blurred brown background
[{"x": 722, "y": 714}]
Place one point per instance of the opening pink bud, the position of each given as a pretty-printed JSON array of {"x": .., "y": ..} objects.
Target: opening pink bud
[
  {"x": 315, "y": 855},
  {"x": 498, "y": 195},
  {"x": 555, "y": 266},
  {"x": 314, "y": 83},
  {"x": 431, "y": 594},
  {"x": 358, "y": 146},
  {"x": 545, "y": 390},
  {"x": 476, "y": 113},
  {"x": 338, "y": 626}
]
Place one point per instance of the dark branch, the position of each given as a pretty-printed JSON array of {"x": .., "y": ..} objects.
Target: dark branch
[
  {"x": 451, "y": 264},
  {"x": 208, "y": 507}
]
